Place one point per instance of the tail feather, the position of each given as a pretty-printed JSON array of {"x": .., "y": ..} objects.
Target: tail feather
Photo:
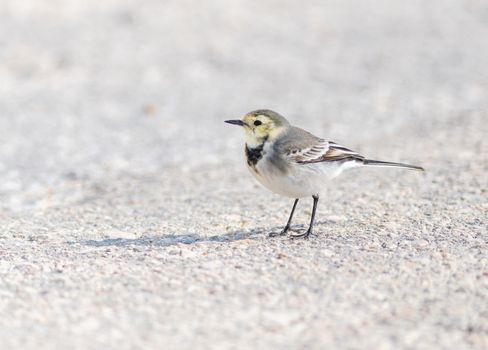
[{"x": 371, "y": 162}]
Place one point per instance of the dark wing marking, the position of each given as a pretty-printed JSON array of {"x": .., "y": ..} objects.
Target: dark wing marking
[{"x": 323, "y": 151}]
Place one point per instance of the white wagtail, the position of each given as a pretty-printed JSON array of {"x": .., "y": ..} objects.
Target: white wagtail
[{"x": 294, "y": 163}]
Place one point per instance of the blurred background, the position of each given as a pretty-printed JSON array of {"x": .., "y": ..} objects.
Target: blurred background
[
  {"x": 92, "y": 88},
  {"x": 127, "y": 216}
]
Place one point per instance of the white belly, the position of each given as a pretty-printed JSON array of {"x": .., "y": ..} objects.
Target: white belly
[{"x": 299, "y": 180}]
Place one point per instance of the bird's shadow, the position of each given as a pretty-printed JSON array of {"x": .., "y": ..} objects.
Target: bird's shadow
[
  {"x": 190, "y": 238},
  {"x": 172, "y": 239}
]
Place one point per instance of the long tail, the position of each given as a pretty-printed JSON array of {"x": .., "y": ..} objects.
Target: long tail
[{"x": 371, "y": 162}]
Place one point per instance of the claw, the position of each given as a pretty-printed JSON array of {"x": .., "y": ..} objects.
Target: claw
[
  {"x": 281, "y": 233},
  {"x": 304, "y": 235},
  {"x": 275, "y": 234}
]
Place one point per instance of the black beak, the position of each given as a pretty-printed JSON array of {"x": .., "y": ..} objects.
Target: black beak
[{"x": 235, "y": 122}]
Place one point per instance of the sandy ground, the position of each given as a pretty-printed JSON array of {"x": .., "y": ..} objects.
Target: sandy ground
[{"x": 128, "y": 219}]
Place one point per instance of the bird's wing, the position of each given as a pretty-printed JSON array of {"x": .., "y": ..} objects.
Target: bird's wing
[{"x": 323, "y": 151}]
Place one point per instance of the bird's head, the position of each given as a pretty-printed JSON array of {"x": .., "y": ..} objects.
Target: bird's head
[{"x": 261, "y": 125}]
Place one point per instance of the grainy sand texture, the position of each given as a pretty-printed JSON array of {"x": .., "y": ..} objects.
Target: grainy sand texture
[{"x": 128, "y": 219}]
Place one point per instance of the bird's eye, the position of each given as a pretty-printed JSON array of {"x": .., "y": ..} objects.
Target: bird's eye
[{"x": 257, "y": 122}]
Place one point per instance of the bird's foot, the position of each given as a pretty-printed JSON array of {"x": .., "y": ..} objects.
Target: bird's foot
[
  {"x": 281, "y": 233},
  {"x": 304, "y": 235}
]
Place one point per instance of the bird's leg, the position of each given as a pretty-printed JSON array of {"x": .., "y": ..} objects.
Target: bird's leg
[
  {"x": 315, "y": 202},
  {"x": 310, "y": 228},
  {"x": 287, "y": 227}
]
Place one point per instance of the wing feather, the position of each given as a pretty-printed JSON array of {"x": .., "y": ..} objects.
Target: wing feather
[{"x": 323, "y": 151}]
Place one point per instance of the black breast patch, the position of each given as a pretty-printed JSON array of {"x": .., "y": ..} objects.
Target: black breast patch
[{"x": 253, "y": 155}]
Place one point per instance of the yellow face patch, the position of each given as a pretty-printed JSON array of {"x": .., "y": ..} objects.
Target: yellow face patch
[
  {"x": 259, "y": 127},
  {"x": 260, "y": 124}
]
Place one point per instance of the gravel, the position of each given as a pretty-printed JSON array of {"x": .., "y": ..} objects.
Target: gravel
[{"x": 128, "y": 219}]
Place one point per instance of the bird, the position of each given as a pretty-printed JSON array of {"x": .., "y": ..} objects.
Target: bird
[{"x": 294, "y": 163}]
